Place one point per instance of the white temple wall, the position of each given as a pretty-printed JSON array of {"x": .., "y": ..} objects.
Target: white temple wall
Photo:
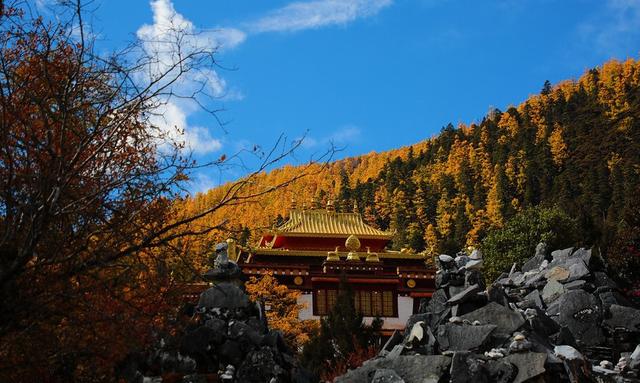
[
  {"x": 405, "y": 309},
  {"x": 306, "y": 299}
]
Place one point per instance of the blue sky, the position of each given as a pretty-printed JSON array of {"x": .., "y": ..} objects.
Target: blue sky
[{"x": 373, "y": 74}]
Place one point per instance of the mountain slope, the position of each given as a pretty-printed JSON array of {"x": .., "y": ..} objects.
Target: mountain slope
[{"x": 575, "y": 145}]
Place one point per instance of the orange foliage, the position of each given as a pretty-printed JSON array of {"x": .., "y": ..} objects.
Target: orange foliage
[
  {"x": 282, "y": 309},
  {"x": 509, "y": 161}
]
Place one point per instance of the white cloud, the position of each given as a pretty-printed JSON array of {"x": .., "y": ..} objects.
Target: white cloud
[
  {"x": 614, "y": 30},
  {"x": 172, "y": 37},
  {"x": 172, "y": 120},
  {"x": 168, "y": 40},
  {"x": 166, "y": 21},
  {"x": 347, "y": 134},
  {"x": 201, "y": 183},
  {"x": 343, "y": 136},
  {"x": 318, "y": 13}
]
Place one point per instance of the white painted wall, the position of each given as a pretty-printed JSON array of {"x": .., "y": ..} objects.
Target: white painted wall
[
  {"x": 405, "y": 309},
  {"x": 306, "y": 299}
]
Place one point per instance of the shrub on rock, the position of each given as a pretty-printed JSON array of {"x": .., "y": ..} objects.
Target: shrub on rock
[{"x": 517, "y": 239}]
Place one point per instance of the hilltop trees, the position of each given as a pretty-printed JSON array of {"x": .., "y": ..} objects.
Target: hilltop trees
[{"x": 576, "y": 145}]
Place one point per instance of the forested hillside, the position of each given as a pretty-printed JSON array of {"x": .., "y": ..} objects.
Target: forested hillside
[{"x": 576, "y": 145}]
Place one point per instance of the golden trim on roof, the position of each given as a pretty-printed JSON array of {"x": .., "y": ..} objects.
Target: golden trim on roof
[
  {"x": 328, "y": 223},
  {"x": 387, "y": 254}
]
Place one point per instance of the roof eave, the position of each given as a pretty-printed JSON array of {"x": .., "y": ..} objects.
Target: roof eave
[{"x": 333, "y": 235}]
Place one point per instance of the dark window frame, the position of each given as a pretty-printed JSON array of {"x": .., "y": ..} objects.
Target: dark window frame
[{"x": 322, "y": 298}]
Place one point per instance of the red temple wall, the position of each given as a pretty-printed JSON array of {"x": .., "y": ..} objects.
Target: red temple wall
[{"x": 327, "y": 244}]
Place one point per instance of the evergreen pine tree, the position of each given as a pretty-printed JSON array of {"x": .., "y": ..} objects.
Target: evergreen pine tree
[
  {"x": 245, "y": 236},
  {"x": 342, "y": 333},
  {"x": 546, "y": 88}
]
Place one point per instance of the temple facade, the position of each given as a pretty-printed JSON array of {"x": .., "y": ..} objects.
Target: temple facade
[{"x": 316, "y": 248}]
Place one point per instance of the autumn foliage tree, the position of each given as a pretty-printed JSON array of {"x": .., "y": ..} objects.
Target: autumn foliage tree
[
  {"x": 283, "y": 309},
  {"x": 89, "y": 189}
]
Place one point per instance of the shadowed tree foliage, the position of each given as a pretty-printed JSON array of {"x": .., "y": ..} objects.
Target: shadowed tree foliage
[
  {"x": 624, "y": 252},
  {"x": 343, "y": 340},
  {"x": 516, "y": 241}
]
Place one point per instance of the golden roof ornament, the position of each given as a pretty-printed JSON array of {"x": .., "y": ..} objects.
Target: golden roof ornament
[
  {"x": 352, "y": 256},
  {"x": 316, "y": 203},
  {"x": 352, "y": 243},
  {"x": 330, "y": 206},
  {"x": 294, "y": 204},
  {"x": 332, "y": 256},
  {"x": 371, "y": 257}
]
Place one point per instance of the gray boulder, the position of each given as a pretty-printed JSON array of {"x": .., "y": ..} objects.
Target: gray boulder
[
  {"x": 464, "y": 337},
  {"x": 535, "y": 262},
  {"x": 529, "y": 365},
  {"x": 411, "y": 368},
  {"x": 577, "y": 270},
  {"x": 386, "y": 375},
  {"x": 506, "y": 320},
  {"x": 581, "y": 313},
  {"x": 552, "y": 290},
  {"x": 561, "y": 255},
  {"x": 464, "y": 295},
  {"x": 224, "y": 295},
  {"x": 468, "y": 367},
  {"x": 622, "y": 317},
  {"x": 583, "y": 254}
]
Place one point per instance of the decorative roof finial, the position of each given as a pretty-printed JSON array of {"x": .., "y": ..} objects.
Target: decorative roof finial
[
  {"x": 315, "y": 202},
  {"x": 355, "y": 207},
  {"x": 293, "y": 203},
  {"x": 352, "y": 243},
  {"x": 330, "y": 206}
]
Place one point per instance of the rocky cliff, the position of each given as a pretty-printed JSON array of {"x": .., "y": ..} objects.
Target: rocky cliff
[{"x": 559, "y": 319}]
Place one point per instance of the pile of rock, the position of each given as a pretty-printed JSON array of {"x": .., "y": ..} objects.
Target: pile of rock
[
  {"x": 228, "y": 340},
  {"x": 556, "y": 320}
]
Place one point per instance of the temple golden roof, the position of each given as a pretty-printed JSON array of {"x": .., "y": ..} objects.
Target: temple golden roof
[
  {"x": 328, "y": 223},
  {"x": 386, "y": 254}
]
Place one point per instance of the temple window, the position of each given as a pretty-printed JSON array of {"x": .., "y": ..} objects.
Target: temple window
[
  {"x": 367, "y": 302},
  {"x": 320, "y": 301}
]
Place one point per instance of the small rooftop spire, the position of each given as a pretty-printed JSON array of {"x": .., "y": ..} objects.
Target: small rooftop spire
[
  {"x": 293, "y": 203},
  {"x": 355, "y": 207},
  {"x": 330, "y": 206}
]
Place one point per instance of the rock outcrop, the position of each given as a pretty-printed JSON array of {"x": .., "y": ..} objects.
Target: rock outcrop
[
  {"x": 228, "y": 340},
  {"x": 559, "y": 319}
]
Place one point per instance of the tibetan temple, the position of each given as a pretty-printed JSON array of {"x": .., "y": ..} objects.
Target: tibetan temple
[{"x": 315, "y": 248}]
